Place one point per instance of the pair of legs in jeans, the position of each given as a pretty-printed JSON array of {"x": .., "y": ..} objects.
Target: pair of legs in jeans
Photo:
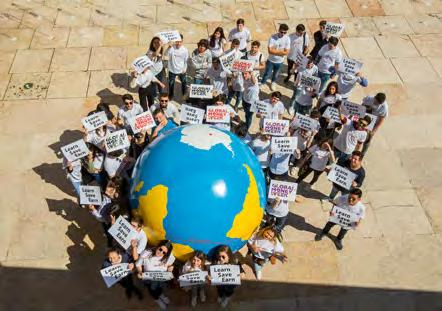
[
  {"x": 271, "y": 69},
  {"x": 172, "y": 78},
  {"x": 324, "y": 79},
  {"x": 248, "y": 113},
  {"x": 237, "y": 95}
]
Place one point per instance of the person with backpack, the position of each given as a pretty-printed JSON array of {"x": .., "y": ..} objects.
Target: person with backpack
[{"x": 299, "y": 41}]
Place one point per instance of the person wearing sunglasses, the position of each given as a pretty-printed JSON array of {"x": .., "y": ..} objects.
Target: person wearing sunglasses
[
  {"x": 328, "y": 59},
  {"x": 350, "y": 202},
  {"x": 129, "y": 110},
  {"x": 377, "y": 106},
  {"x": 352, "y": 136},
  {"x": 160, "y": 258},
  {"x": 278, "y": 48},
  {"x": 169, "y": 108}
]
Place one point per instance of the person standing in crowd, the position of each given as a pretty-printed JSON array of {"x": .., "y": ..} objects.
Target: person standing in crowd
[
  {"x": 241, "y": 33},
  {"x": 145, "y": 81},
  {"x": 350, "y": 202},
  {"x": 351, "y": 137},
  {"x": 139, "y": 243},
  {"x": 328, "y": 59},
  {"x": 328, "y": 97},
  {"x": 256, "y": 56},
  {"x": 177, "y": 65},
  {"x": 196, "y": 263},
  {"x": 114, "y": 257},
  {"x": 275, "y": 108},
  {"x": 277, "y": 210},
  {"x": 155, "y": 54},
  {"x": 261, "y": 148},
  {"x": 159, "y": 258},
  {"x": 299, "y": 41},
  {"x": 236, "y": 89},
  {"x": 302, "y": 98},
  {"x": 217, "y": 42},
  {"x": 354, "y": 165},
  {"x": 201, "y": 60},
  {"x": 73, "y": 173},
  {"x": 264, "y": 245},
  {"x": 278, "y": 48},
  {"x": 377, "y": 106},
  {"x": 320, "y": 38},
  {"x": 163, "y": 123},
  {"x": 346, "y": 83},
  {"x": 128, "y": 111},
  {"x": 170, "y": 110},
  {"x": 216, "y": 75},
  {"x": 250, "y": 95},
  {"x": 219, "y": 101}
]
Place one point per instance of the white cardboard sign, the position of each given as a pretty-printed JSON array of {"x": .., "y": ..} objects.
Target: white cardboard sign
[
  {"x": 309, "y": 81},
  {"x": 94, "y": 121},
  {"x": 227, "y": 59},
  {"x": 116, "y": 141},
  {"x": 341, "y": 176},
  {"x": 283, "y": 190},
  {"x": 242, "y": 65},
  {"x": 334, "y": 29},
  {"x": 75, "y": 150},
  {"x": 123, "y": 232},
  {"x": 275, "y": 127},
  {"x": 305, "y": 122},
  {"x": 142, "y": 122},
  {"x": 260, "y": 107},
  {"x": 284, "y": 145},
  {"x": 201, "y": 91},
  {"x": 159, "y": 276},
  {"x": 191, "y": 114},
  {"x": 332, "y": 113},
  {"x": 217, "y": 114},
  {"x": 169, "y": 36},
  {"x": 343, "y": 217},
  {"x": 353, "y": 109},
  {"x": 90, "y": 195},
  {"x": 301, "y": 59},
  {"x": 192, "y": 278},
  {"x": 225, "y": 275},
  {"x": 113, "y": 274},
  {"x": 350, "y": 66},
  {"x": 141, "y": 63}
]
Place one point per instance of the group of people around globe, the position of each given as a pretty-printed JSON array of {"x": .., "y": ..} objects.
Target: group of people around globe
[{"x": 343, "y": 143}]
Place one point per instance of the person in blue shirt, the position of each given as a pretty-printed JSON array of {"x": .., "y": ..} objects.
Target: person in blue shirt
[{"x": 164, "y": 124}]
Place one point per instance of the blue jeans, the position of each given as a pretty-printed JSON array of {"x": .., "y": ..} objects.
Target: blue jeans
[
  {"x": 257, "y": 266},
  {"x": 172, "y": 77},
  {"x": 324, "y": 79},
  {"x": 271, "y": 68},
  {"x": 305, "y": 110},
  {"x": 237, "y": 95},
  {"x": 248, "y": 114},
  {"x": 341, "y": 155}
]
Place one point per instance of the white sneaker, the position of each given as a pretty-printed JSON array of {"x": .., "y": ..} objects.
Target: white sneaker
[
  {"x": 202, "y": 295},
  {"x": 259, "y": 275},
  {"x": 273, "y": 86},
  {"x": 161, "y": 304},
  {"x": 165, "y": 299},
  {"x": 291, "y": 111},
  {"x": 225, "y": 302},
  {"x": 193, "y": 302}
]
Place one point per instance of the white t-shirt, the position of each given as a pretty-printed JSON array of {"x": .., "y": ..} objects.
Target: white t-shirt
[
  {"x": 143, "y": 80},
  {"x": 141, "y": 241},
  {"x": 75, "y": 175},
  {"x": 346, "y": 83},
  {"x": 217, "y": 50},
  {"x": 347, "y": 140},
  {"x": 319, "y": 158},
  {"x": 237, "y": 82},
  {"x": 329, "y": 99},
  {"x": 243, "y": 36},
  {"x": 127, "y": 114},
  {"x": 98, "y": 161},
  {"x": 257, "y": 59},
  {"x": 274, "y": 111},
  {"x": 261, "y": 149},
  {"x": 153, "y": 263},
  {"x": 377, "y": 110},
  {"x": 218, "y": 78},
  {"x": 302, "y": 142},
  {"x": 171, "y": 110},
  {"x": 297, "y": 43},
  {"x": 157, "y": 63},
  {"x": 251, "y": 91},
  {"x": 188, "y": 268},
  {"x": 93, "y": 138},
  {"x": 112, "y": 164},
  {"x": 178, "y": 59},
  {"x": 280, "y": 210},
  {"x": 329, "y": 58},
  {"x": 267, "y": 248},
  {"x": 279, "y": 163},
  {"x": 279, "y": 43},
  {"x": 358, "y": 208}
]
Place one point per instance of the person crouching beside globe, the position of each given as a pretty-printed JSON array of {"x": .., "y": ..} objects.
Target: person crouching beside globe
[
  {"x": 196, "y": 263},
  {"x": 160, "y": 258},
  {"x": 264, "y": 245},
  {"x": 219, "y": 100},
  {"x": 223, "y": 256},
  {"x": 164, "y": 124}
]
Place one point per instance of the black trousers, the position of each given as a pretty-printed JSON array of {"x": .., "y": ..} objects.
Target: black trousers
[
  {"x": 290, "y": 65},
  {"x": 330, "y": 225},
  {"x": 155, "y": 289},
  {"x": 146, "y": 98},
  {"x": 307, "y": 170},
  {"x": 225, "y": 291}
]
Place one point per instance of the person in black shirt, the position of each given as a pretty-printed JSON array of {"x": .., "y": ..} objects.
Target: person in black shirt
[{"x": 320, "y": 38}]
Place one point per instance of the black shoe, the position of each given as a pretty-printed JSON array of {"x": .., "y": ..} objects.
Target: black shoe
[
  {"x": 339, "y": 245},
  {"x": 128, "y": 293},
  {"x": 286, "y": 80},
  {"x": 318, "y": 237},
  {"x": 138, "y": 293}
]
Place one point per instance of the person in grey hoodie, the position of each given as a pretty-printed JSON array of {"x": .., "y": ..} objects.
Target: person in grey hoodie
[{"x": 201, "y": 60}]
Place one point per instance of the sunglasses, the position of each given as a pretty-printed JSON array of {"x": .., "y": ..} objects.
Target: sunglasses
[
  {"x": 162, "y": 251},
  {"x": 222, "y": 257},
  {"x": 128, "y": 103},
  {"x": 282, "y": 32},
  {"x": 164, "y": 100}
]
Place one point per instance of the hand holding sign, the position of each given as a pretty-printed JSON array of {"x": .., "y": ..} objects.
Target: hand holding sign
[
  {"x": 283, "y": 190},
  {"x": 191, "y": 114},
  {"x": 334, "y": 29},
  {"x": 123, "y": 232},
  {"x": 275, "y": 127},
  {"x": 305, "y": 122},
  {"x": 261, "y": 107},
  {"x": 193, "y": 278},
  {"x": 227, "y": 60},
  {"x": 225, "y": 275},
  {"x": 242, "y": 65},
  {"x": 142, "y": 122},
  {"x": 75, "y": 150},
  {"x": 311, "y": 82},
  {"x": 115, "y": 273},
  {"x": 350, "y": 66},
  {"x": 116, "y": 141},
  {"x": 284, "y": 145},
  {"x": 90, "y": 195},
  {"x": 343, "y": 217},
  {"x": 158, "y": 276},
  {"x": 169, "y": 36},
  {"x": 353, "y": 109},
  {"x": 217, "y": 114},
  {"x": 94, "y": 121},
  {"x": 333, "y": 114},
  {"x": 141, "y": 63},
  {"x": 201, "y": 91},
  {"x": 341, "y": 176}
]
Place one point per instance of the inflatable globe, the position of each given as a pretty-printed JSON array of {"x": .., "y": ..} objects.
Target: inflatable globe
[{"x": 198, "y": 186}]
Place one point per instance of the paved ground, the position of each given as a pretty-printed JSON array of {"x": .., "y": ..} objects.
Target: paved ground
[{"x": 76, "y": 52}]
